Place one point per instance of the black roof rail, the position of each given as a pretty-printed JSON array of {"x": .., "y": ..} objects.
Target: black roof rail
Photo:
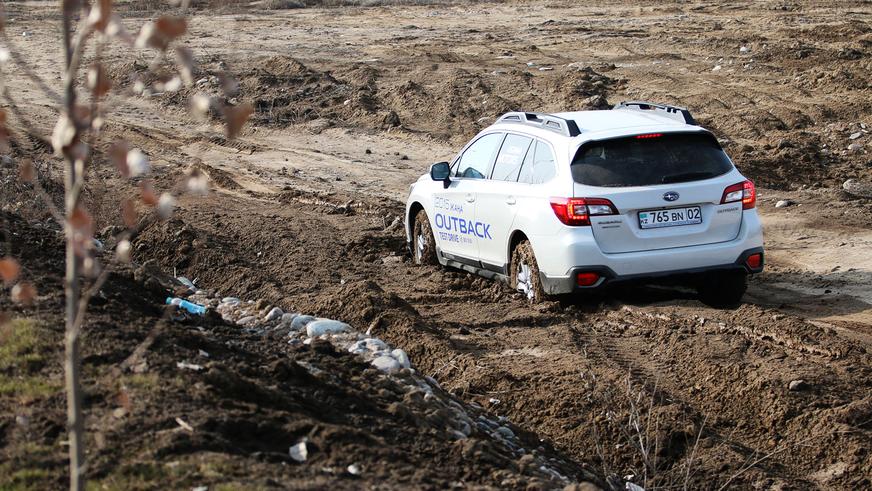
[
  {"x": 674, "y": 112},
  {"x": 565, "y": 127}
]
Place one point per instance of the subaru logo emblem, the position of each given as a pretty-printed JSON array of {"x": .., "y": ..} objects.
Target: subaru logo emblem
[{"x": 670, "y": 196}]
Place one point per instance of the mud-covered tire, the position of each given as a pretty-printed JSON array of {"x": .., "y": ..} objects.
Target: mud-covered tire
[
  {"x": 524, "y": 273},
  {"x": 723, "y": 290},
  {"x": 423, "y": 242}
]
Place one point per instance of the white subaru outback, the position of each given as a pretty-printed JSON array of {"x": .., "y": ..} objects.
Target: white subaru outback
[{"x": 557, "y": 203}]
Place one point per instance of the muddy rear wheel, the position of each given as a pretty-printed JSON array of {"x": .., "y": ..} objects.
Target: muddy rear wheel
[
  {"x": 524, "y": 273},
  {"x": 423, "y": 242}
]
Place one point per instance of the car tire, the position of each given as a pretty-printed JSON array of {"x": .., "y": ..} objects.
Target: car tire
[
  {"x": 524, "y": 273},
  {"x": 423, "y": 242},
  {"x": 723, "y": 290}
]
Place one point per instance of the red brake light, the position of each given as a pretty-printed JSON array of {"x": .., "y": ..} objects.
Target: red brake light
[
  {"x": 749, "y": 195},
  {"x": 577, "y": 211},
  {"x": 741, "y": 191},
  {"x": 587, "y": 279},
  {"x": 649, "y": 135},
  {"x": 754, "y": 260}
]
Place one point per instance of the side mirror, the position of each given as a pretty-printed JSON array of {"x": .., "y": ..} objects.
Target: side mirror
[{"x": 440, "y": 172}]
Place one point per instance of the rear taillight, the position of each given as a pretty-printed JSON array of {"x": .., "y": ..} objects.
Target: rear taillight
[
  {"x": 741, "y": 191},
  {"x": 577, "y": 211},
  {"x": 587, "y": 278},
  {"x": 754, "y": 261}
]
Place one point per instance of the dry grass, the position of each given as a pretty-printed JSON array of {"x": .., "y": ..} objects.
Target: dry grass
[{"x": 25, "y": 347}]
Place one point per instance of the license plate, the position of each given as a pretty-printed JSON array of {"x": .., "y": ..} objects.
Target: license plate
[{"x": 672, "y": 217}]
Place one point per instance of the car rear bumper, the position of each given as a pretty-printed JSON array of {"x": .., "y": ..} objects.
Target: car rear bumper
[
  {"x": 576, "y": 251},
  {"x": 608, "y": 277}
]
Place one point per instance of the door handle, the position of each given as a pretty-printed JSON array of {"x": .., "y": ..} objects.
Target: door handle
[
  {"x": 470, "y": 198},
  {"x": 510, "y": 200}
]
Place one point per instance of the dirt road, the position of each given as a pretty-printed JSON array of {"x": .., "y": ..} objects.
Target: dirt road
[{"x": 353, "y": 105}]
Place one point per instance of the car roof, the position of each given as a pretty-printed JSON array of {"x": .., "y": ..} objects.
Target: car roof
[
  {"x": 604, "y": 120},
  {"x": 625, "y": 119}
]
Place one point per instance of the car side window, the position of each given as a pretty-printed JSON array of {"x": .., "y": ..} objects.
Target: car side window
[
  {"x": 539, "y": 166},
  {"x": 510, "y": 158},
  {"x": 475, "y": 161}
]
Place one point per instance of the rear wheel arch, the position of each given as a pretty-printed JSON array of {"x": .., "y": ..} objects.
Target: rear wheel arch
[{"x": 515, "y": 238}]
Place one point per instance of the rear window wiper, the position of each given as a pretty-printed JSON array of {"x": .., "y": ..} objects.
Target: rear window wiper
[{"x": 685, "y": 176}]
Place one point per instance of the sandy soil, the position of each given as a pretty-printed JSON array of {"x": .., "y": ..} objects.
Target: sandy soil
[{"x": 647, "y": 382}]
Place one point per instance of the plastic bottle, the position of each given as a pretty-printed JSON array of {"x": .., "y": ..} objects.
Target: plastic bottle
[{"x": 189, "y": 306}]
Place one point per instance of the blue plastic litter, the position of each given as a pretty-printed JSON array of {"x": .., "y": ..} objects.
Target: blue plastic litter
[{"x": 191, "y": 307}]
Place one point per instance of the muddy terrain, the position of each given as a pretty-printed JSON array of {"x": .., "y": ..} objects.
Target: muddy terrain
[{"x": 644, "y": 384}]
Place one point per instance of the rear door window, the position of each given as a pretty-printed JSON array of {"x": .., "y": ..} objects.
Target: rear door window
[
  {"x": 646, "y": 160},
  {"x": 476, "y": 160},
  {"x": 539, "y": 166},
  {"x": 511, "y": 157}
]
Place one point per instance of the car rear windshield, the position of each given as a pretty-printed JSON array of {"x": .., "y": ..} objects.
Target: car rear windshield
[{"x": 650, "y": 159}]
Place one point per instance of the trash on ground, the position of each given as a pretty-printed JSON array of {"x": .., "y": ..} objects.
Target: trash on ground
[{"x": 191, "y": 308}]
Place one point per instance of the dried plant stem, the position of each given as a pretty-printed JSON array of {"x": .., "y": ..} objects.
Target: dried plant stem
[{"x": 72, "y": 359}]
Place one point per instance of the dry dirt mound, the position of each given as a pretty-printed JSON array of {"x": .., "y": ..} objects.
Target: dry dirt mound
[
  {"x": 285, "y": 91},
  {"x": 446, "y": 104}
]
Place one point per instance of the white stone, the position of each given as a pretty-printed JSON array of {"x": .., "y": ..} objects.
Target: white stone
[
  {"x": 855, "y": 147},
  {"x": 288, "y": 318},
  {"x": 783, "y": 203},
  {"x": 274, "y": 314},
  {"x": 368, "y": 345},
  {"x": 299, "y": 452},
  {"x": 301, "y": 321},
  {"x": 246, "y": 320},
  {"x": 401, "y": 357},
  {"x": 353, "y": 469},
  {"x": 797, "y": 385},
  {"x": 857, "y": 188},
  {"x": 856, "y": 135},
  {"x": 325, "y": 326},
  {"x": 717, "y": 68},
  {"x": 386, "y": 363},
  {"x": 744, "y": 49}
]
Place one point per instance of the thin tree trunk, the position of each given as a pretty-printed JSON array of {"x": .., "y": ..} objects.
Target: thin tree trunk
[{"x": 72, "y": 362}]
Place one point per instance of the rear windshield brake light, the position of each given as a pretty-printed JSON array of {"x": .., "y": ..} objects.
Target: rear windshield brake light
[{"x": 649, "y": 135}]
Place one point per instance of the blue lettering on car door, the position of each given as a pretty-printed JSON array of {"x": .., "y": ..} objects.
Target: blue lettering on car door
[{"x": 462, "y": 226}]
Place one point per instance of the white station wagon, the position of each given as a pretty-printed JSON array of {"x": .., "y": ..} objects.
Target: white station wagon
[{"x": 559, "y": 203}]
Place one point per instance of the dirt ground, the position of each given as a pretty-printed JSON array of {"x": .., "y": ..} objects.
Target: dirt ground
[{"x": 352, "y": 105}]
